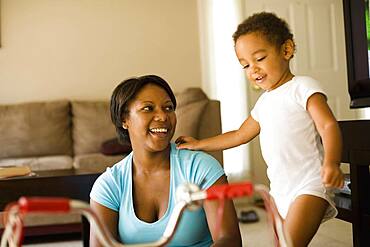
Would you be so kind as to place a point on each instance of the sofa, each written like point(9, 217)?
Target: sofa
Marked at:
point(69, 134)
point(66, 134)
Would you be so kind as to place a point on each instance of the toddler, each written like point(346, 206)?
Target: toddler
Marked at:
point(300, 138)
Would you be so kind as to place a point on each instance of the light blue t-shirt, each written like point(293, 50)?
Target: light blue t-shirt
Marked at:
point(113, 189)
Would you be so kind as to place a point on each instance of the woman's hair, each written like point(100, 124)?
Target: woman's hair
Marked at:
point(125, 92)
point(273, 28)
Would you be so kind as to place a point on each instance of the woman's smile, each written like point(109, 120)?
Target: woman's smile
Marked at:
point(160, 132)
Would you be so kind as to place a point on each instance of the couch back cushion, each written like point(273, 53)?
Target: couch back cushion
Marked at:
point(190, 107)
point(35, 129)
point(91, 126)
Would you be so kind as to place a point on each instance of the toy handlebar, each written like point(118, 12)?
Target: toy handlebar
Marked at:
point(229, 191)
point(28, 205)
point(43, 204)
point(188, 196)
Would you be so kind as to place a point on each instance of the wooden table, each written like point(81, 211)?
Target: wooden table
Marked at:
point(356, 152)
point(73, 184)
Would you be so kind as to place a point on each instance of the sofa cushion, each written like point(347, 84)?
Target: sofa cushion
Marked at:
point(96, 162)
point(190, 95)
point(190, 106)
point(40, 163)
point(91, 126)
point(35, 129)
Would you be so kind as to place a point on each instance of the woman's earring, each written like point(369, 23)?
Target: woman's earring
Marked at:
point(124, 126)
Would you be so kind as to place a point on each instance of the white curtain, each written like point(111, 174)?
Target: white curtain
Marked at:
point(222, 75)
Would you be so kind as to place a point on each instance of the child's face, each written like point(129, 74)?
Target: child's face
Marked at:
point(265, 65)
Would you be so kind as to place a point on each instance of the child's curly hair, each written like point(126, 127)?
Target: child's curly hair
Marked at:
point(275, 29)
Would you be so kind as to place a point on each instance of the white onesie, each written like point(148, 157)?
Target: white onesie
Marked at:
point(290, 143)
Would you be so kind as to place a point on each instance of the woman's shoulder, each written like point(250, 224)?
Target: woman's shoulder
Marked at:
point(196, 166)
point(118, 170)
point(191, 155)
point(111, 182)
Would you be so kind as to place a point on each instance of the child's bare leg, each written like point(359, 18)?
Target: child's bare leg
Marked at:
point(304, 218)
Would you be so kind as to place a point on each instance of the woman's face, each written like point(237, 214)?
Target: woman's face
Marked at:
point(151, 120)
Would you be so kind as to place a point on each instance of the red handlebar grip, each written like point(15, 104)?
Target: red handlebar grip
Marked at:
point(43, 204)
point(229, 191)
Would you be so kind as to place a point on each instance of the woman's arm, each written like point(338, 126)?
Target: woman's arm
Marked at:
point(108, 217)
point(247, 131)
point(328, 128)
point(228, 233)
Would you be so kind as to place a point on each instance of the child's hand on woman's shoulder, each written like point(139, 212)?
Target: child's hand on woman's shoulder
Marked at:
point(186, 142)
point(332, 176)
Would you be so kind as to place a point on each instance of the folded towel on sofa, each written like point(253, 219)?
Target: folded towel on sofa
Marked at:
point(7, 172)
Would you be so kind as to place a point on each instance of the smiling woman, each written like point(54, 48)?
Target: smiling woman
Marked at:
point(136, 197)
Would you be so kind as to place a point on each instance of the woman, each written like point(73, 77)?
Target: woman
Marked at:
point(136, 197)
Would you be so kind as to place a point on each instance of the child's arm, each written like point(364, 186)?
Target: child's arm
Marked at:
point(328, 128)
point(247, 131)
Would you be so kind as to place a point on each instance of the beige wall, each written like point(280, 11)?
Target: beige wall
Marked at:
point(81, 49)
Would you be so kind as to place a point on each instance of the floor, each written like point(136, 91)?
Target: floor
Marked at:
point(331, 233)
